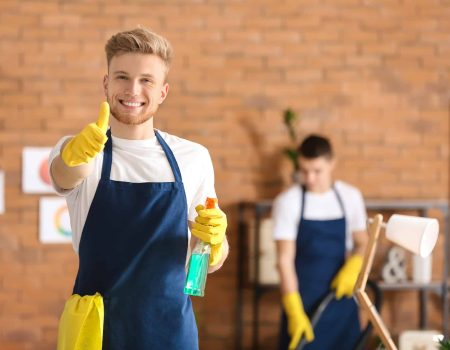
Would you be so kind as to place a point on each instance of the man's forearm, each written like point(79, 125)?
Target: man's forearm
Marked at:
point(360, 239)
point(358, 250)
point(286, 250)
point(288, 277)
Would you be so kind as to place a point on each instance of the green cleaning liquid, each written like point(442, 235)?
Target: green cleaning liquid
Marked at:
point(199, 262)
point(198, 270)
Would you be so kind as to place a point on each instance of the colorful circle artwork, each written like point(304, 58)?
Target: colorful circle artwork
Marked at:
point(62, 222)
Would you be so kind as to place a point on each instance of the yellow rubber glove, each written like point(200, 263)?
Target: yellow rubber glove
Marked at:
point(81, 324)
point(216, 254)
point(345, 280)
point(82, 148)
point(298, 322)
point(210, 226)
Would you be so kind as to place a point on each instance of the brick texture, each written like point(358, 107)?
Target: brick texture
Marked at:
point(372, 75)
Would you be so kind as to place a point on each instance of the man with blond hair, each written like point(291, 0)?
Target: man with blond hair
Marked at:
point(133, 192)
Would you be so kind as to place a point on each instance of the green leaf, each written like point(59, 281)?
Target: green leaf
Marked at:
point(292, 154)
point(444, 344)
point(289, 118)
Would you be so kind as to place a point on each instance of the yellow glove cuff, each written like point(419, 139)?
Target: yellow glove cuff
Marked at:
point(346, 278)
point(292, 303)
point(216, 254)
point(354, 263)
point(299, 325)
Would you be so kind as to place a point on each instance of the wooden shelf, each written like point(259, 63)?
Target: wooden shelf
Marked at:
point(409, 285)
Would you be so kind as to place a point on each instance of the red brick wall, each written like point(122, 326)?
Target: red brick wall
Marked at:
point(373, 75)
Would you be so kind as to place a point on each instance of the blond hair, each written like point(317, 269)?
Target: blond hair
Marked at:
point(139, 40)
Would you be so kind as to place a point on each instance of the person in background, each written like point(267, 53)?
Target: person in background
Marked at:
point(132, 191)
point(320, 234)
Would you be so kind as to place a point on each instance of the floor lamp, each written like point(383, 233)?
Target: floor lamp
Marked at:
point(416, 234)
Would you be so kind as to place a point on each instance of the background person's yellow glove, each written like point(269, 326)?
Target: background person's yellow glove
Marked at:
point(345, 280)
point(298, 322)
point(210, 226)
point(82, 148)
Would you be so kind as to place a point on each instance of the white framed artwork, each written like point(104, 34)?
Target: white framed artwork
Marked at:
point(35, 175)
point(268, 273)
point(419, 340)
point(54, 221)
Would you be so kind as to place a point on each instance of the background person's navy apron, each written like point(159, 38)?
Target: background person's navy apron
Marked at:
point(133, 251)
point(319, 256)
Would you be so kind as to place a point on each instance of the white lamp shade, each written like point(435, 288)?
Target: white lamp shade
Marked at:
point(417, 234)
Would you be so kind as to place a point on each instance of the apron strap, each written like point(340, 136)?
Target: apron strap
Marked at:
point(303, 188)
point(170, 157)
point(341, 203)
point(107, 158)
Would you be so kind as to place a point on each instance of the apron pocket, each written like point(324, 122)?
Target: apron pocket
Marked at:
point(81, 323)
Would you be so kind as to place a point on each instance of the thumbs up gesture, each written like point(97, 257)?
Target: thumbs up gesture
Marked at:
point(85, 146)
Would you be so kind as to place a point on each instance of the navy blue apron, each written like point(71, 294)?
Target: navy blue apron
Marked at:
point(319, 256)
point(133, 252)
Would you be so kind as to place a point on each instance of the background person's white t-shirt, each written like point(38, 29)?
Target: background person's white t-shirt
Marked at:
point(287, 207)
point(142, 161)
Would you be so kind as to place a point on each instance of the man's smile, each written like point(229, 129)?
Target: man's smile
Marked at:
point(131, 103)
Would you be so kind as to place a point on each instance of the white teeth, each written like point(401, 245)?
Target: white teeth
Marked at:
point(131, 104)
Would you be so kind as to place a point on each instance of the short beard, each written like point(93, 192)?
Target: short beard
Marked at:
point(124, 119)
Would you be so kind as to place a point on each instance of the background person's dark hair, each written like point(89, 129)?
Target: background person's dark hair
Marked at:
point(315, 146)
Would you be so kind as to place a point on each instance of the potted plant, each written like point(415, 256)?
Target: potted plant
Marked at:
point(444, 344)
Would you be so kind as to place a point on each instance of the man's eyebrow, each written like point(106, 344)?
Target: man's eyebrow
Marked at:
point(146, 75)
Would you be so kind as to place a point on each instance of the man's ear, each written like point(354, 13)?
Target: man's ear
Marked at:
point(105, 85)
point(164, 92)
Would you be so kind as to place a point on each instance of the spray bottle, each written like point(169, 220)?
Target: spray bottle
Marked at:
point(199, 263)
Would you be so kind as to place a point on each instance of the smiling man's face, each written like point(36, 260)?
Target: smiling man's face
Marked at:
point(135, 87)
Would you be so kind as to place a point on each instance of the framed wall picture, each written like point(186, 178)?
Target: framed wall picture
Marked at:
point(54, 221)
point(35, 175)
point(268, 273)
point(419, 340)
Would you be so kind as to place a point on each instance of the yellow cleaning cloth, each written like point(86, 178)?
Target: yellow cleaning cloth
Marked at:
point(81, 324)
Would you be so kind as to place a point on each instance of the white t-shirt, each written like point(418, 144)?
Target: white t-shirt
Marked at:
point(142, 161)
point(287, 207)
